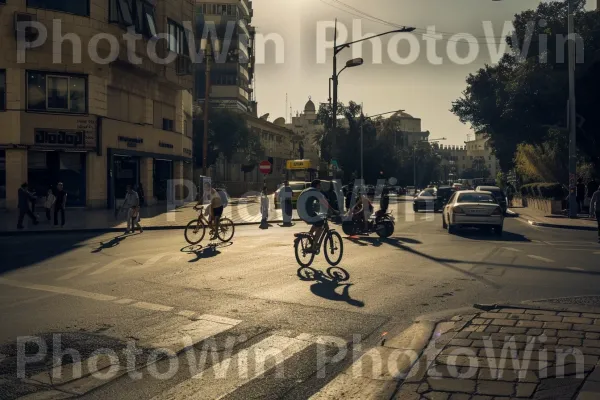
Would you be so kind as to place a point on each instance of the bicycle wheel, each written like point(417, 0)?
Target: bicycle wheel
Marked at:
point(226, 230)
point(301, 245)
point(194, 231)
point(333, 247)
point(338, 274)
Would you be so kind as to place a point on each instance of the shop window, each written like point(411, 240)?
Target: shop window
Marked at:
point(136, 13)
point(168, 125)
point(79, 7)
point(53, 92)
point(2, 90)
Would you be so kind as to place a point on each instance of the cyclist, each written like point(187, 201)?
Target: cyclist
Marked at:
point(312, 203)
point(214, 209)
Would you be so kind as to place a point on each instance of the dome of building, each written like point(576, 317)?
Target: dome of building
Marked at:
point(310, 106)
point(279, 121)
point(402, 114)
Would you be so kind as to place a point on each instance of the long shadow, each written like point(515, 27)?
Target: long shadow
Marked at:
point(112, 243)
point(202, 252)
point(475, 234)
point(377, 241)
point(327, 283)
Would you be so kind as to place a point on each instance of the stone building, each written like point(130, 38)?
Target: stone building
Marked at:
point(98, 103)
point(306, 126)
point(480, 156)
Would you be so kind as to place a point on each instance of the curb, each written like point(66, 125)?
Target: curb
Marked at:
point(109, 230)
point(542, 307)
point(533, 222)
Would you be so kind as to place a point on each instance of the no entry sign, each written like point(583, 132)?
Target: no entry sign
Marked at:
point(264, 167)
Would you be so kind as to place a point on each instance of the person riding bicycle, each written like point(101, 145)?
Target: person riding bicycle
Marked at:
point(312, 208)
point(214, 209)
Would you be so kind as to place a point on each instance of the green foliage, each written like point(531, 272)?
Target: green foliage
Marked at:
point(228, 134)
point(523, 98)
point(553, 191)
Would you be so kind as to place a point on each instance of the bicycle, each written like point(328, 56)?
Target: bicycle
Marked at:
point(198, 227)
point(303, 246)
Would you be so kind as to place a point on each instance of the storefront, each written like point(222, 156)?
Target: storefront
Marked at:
point(162, 172)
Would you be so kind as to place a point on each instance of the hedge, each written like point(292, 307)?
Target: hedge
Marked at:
point(554, 191)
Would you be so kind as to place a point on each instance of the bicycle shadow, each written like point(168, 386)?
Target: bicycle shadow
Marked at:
point(201, 252)
point(326, 284)
point(113, 242)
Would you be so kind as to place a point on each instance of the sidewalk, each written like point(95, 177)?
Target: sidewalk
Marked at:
point(242, 211)
point(536, 217)
point(510, 352)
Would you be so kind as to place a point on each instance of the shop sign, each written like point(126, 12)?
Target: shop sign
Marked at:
point(62, 138)
point(297, 164)
point(165, 145)
point(187, 151)
point(131, 142)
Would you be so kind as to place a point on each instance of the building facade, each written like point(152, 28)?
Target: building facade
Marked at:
point(98, 104)
point(454, 162)
point(405, 128)
point(232, 66)
point(480, 157)
point(307, 128)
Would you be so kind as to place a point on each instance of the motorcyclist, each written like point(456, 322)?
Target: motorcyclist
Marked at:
point(361, 212)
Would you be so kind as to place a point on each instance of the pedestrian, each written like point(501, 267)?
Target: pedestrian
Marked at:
point(49, 203)
point(510, 194)
point(60, 204)
point(25, 198)
point(592, 187)
point(132, 205)
point(580, 194)
point(264, 208)
point(595, 208)
point(285, 199)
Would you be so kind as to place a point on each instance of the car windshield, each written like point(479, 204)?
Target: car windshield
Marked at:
point(428, 193)
point(476, 198)
point(297, 186)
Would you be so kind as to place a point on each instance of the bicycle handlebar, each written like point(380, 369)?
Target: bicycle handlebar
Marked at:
point(198, 207)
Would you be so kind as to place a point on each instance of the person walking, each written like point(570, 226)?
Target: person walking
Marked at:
point(264, 208)
point(60, 204)
point(595, 208)
point(132, 205)
point(580, 194)
point(285, 199)
point(592, 187)
point(49, 204)
point(25, 198)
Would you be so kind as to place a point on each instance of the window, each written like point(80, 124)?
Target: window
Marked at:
point(177, 39)
point(136, 13)
point(56, 92)
point(2, 89)
point(167, 124)
point(79, 7)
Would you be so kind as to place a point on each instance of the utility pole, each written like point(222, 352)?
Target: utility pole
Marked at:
point(362, 124)
point(572, 114)
point(207, 56)
point(334, 82)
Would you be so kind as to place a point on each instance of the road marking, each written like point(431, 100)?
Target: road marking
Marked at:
point(540, 258)
point(576, 268)
point(111, 265)
point(241, 368)
point(218, 319)
point(151, 306)
point(188, 335)
point(187, 313)
point(58, 289)
point(124, 301)
point(512, 249)
point(78, 270)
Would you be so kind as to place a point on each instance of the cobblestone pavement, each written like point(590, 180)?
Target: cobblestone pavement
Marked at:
point(510, 353)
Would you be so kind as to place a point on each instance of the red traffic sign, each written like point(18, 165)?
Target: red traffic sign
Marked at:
point(264, 167)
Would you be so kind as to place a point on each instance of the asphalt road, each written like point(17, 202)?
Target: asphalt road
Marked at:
point(152, 289)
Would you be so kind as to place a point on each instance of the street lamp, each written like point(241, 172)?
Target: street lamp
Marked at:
point(572, 114)
point(362, 123)
point(334, 77)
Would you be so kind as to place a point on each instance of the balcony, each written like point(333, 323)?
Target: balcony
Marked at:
point(244, 72)
point(245, 8)
point(243, 29)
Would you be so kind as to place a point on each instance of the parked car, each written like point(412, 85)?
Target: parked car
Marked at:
point(297, 188)
point(469, 208)
point(497, 193)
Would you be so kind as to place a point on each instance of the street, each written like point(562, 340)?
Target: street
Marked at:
point(101, 291)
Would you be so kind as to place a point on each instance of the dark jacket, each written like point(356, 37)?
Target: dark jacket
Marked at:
point(25, 199)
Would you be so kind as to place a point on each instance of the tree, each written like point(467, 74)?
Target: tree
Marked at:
point(228, 134)
point(523, 98)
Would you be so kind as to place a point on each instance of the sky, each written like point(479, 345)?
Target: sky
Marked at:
point(406, 75)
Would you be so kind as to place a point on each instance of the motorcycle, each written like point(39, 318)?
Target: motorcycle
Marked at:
point(382, 223)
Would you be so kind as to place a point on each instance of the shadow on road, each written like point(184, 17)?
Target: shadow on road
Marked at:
point(113, 242)
point(377, 241)
point(476, 234)
point(202, 252)
point(327, 283)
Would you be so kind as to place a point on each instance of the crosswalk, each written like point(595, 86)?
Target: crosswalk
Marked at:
point(215, 361)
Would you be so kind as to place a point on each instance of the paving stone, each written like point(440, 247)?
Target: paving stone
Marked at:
point(577, 320)
point(480, 321)
point(591, 343)
point(452, 385)
point(526, 389)
point(522, 317)
point(495, 388)
point(557, 389)
point(478, 335)
point(407, 393)
point(462, 335)
point(460, 342)
point(568, 370)
point(557, 325)
point(570, 342)
point(436, 396)
point(593, 351)
point(513, 330)
point(512, 310)
point(423, 387)
point(597, 322)
point(492, 329)
point(488, 315)
point(568, 314)
point(452, 371)
point(592, 335)
point(481, 398)
point(594, 376)
point(548, 318)
point(590, 390)
point(540, 312)
point(571, 334)
point(503, 322)
point(530, 324)
point(588, 315)
point(535, 332)
point(459, 396)
point(550, 332)
point(586, 328)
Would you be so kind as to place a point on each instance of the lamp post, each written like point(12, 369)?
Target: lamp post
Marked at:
point(334, 77)
point(362, 123)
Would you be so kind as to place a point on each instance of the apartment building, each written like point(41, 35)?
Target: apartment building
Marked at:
point(454, 161)
point(96, 96)
point(232, 66)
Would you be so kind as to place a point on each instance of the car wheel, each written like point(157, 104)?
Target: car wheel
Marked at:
point(498, 230)
point(444, 224)
point(451, 230)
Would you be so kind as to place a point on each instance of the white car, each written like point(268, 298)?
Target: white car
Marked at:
point(469, 208)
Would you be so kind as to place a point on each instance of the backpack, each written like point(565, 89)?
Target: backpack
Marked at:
point(224, 198)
